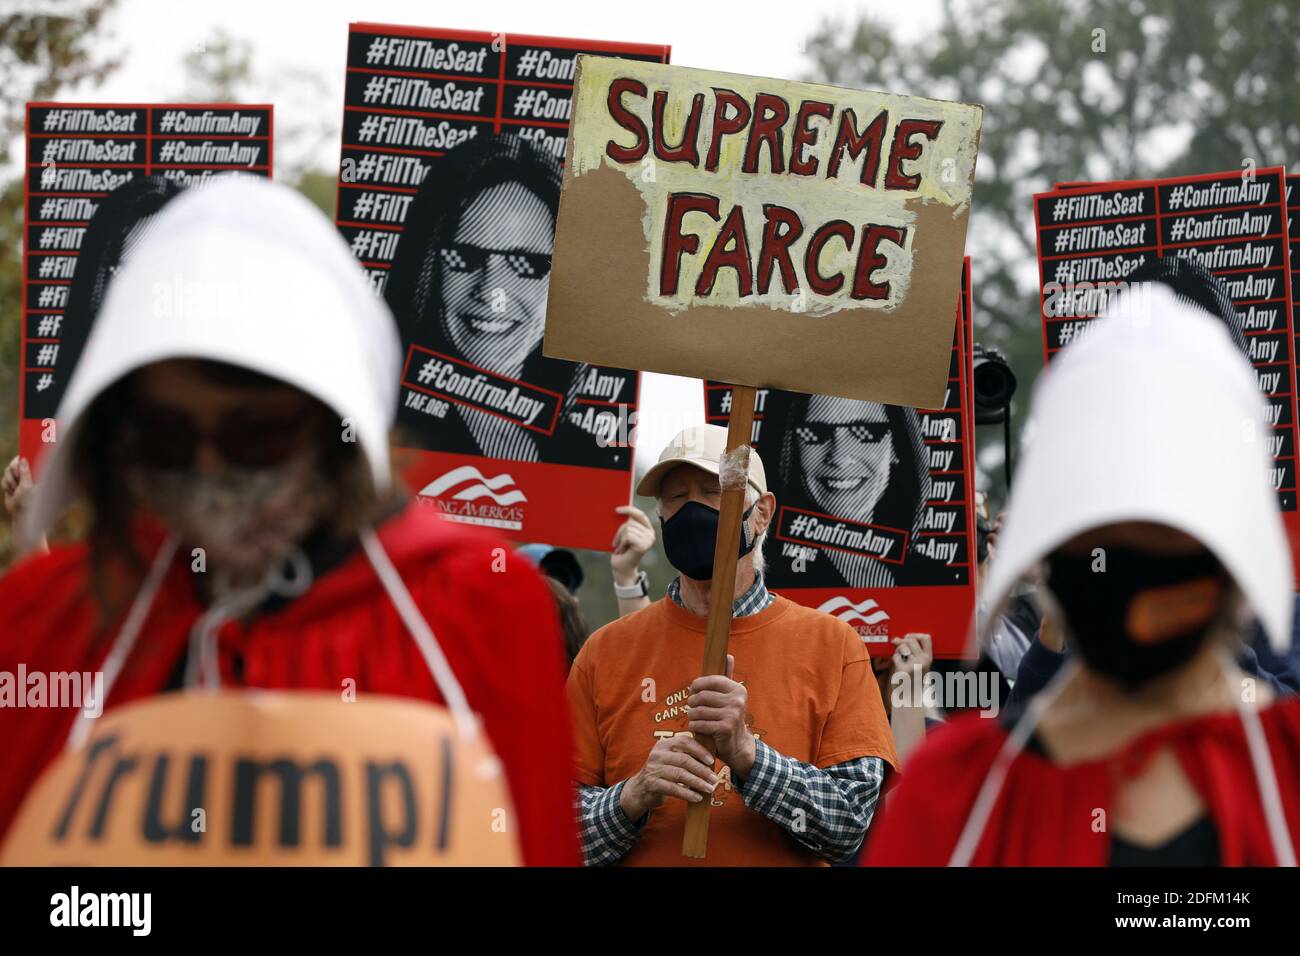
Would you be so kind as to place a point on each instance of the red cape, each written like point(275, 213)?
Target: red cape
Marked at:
point(1044, 814)
point(498, 629)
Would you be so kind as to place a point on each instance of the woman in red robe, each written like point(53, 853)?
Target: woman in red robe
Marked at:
point(228, 427)
point(1145, 507)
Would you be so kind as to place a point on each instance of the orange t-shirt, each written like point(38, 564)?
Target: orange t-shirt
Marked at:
point(812, 696)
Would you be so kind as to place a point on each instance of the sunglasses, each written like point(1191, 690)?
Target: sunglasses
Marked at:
point(816, 433)
point(466, 258)
point(164, 438)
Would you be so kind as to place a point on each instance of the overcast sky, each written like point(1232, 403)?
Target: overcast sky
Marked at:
point(758, 37)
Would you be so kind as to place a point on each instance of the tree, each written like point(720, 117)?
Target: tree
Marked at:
point(1081, 89)
point(220, 69)
point(43, 53)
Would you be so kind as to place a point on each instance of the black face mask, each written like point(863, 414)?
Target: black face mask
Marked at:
point(691, 535)
point(1143, 616)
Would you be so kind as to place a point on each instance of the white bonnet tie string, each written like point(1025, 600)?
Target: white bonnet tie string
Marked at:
point(126, 636)
point(422, 634)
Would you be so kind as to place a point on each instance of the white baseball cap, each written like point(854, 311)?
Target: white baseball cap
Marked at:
point(702, 446)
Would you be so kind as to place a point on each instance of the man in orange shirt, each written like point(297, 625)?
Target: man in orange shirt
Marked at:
point(800, 731)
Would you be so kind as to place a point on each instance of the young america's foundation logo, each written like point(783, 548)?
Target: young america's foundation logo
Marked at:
point(867, 618)
point(465, 494)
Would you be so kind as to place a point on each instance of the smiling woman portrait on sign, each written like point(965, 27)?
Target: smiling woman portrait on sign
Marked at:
point(469, 284)
point(863, 462)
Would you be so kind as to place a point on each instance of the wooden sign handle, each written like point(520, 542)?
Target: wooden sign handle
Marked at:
point(695, 839)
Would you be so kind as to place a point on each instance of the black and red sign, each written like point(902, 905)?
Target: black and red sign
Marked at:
point(96, 176)
point(1093, 236)
point(875, 518)
point(453, 150)
point(1293, 262)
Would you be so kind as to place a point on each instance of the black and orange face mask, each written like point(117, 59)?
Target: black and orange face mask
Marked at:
point(1144, 615)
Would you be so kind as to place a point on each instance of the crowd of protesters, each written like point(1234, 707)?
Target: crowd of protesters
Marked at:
point(1135, 605)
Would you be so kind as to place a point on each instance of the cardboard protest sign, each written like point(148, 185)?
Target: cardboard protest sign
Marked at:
point(875, 503)
point(1092, 236)
point(96, 175)
point(269, 779)
point(449, 182)
point(762, 232)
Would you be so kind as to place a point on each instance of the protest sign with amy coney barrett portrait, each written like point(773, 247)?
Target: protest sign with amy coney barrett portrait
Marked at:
point(1095, 239)
point(97, 175)
point(449, 184)
point(875, 515)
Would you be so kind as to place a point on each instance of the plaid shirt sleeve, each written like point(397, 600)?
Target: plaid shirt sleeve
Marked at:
point(607, 834)
point(828, 811)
